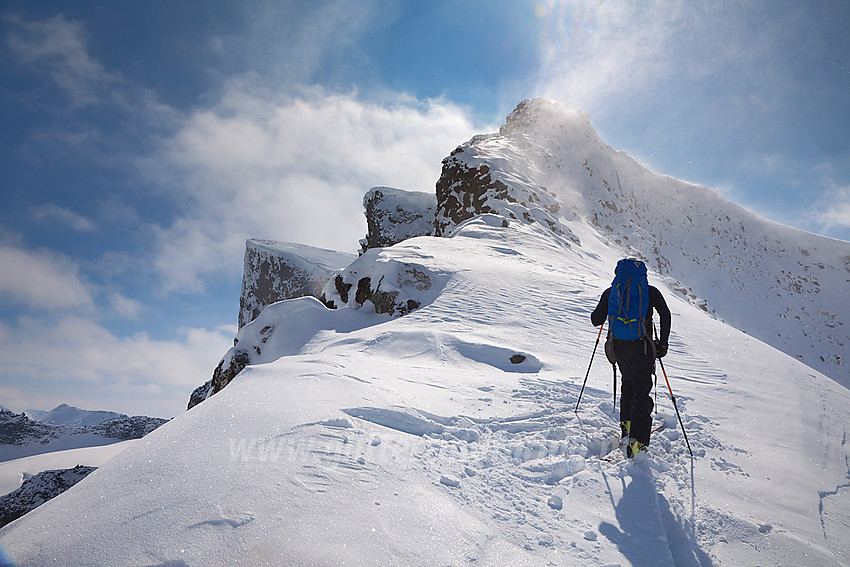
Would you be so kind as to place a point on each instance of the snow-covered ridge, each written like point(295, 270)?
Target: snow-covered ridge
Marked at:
point(448, 436)
point(550, 159)
point(548, 165)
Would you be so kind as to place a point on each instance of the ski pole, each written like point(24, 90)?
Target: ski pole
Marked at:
point(672, 397)
point(655, 373)
point(614, 411)
point(655, 378)
point(588, 366)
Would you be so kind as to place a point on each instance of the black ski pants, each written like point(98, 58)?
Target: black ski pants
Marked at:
point(636, 360)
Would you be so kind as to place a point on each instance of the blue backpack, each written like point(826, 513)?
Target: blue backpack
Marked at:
point(628, 302)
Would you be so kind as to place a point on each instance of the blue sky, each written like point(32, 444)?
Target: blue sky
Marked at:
point(143, 142)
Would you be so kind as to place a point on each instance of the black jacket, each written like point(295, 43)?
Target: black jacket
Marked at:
point(656, 303)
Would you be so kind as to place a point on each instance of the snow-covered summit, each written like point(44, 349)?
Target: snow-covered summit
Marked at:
point(70, 416)
point(550, 122)
point(547, 164)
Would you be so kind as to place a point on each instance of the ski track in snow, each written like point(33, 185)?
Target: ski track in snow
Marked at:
point(521, 471)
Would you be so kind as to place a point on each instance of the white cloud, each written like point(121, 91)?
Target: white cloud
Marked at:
point(704, 62)
point(124, 306)
point(291, 168)
point(833, 210)
point(52, 213)
point(41, 280)
point(593, 52)
point(56, 47)
point(80, 358)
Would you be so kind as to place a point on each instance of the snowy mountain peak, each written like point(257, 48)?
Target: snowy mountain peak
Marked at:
point(547, 165)
point(545, 119)
point(69, 416)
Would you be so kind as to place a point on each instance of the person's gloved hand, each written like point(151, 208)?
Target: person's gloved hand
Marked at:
point(660, 349)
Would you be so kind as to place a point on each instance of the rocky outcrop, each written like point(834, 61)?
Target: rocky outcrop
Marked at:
point(126, 427)
point(275, 271)
point(467, 188)
point(18, 429)
point(226, 371)
point(390, 286)
point(38, 489)
point(394, 215)
point(201, 393)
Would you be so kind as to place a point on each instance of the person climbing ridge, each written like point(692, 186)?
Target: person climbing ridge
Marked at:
point(628, 306)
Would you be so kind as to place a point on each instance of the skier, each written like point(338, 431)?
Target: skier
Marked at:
point(629, 309)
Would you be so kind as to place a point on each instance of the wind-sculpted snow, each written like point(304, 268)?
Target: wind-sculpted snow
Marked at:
point(280, 330)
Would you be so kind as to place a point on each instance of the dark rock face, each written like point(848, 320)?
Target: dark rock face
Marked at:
point(18, 429)
point(127, 427)
point(200, 394)
point(227, 370)
point(462, 193)
point(38, 489)
point(275, 271)
point(394, 215)
point(466, 189)
point(394, 288)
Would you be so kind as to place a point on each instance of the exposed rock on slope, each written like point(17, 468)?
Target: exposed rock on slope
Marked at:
point(394, 215)
point(389, 286)
point(18, 429)
point(38, 489)
point(127, 427)
point(469, 187)
point(275, 271)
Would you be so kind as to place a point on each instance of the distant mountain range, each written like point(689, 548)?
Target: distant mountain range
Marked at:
point(67, 427)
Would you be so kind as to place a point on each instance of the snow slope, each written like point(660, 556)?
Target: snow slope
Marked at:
point(448, 436)
point(415, 440)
